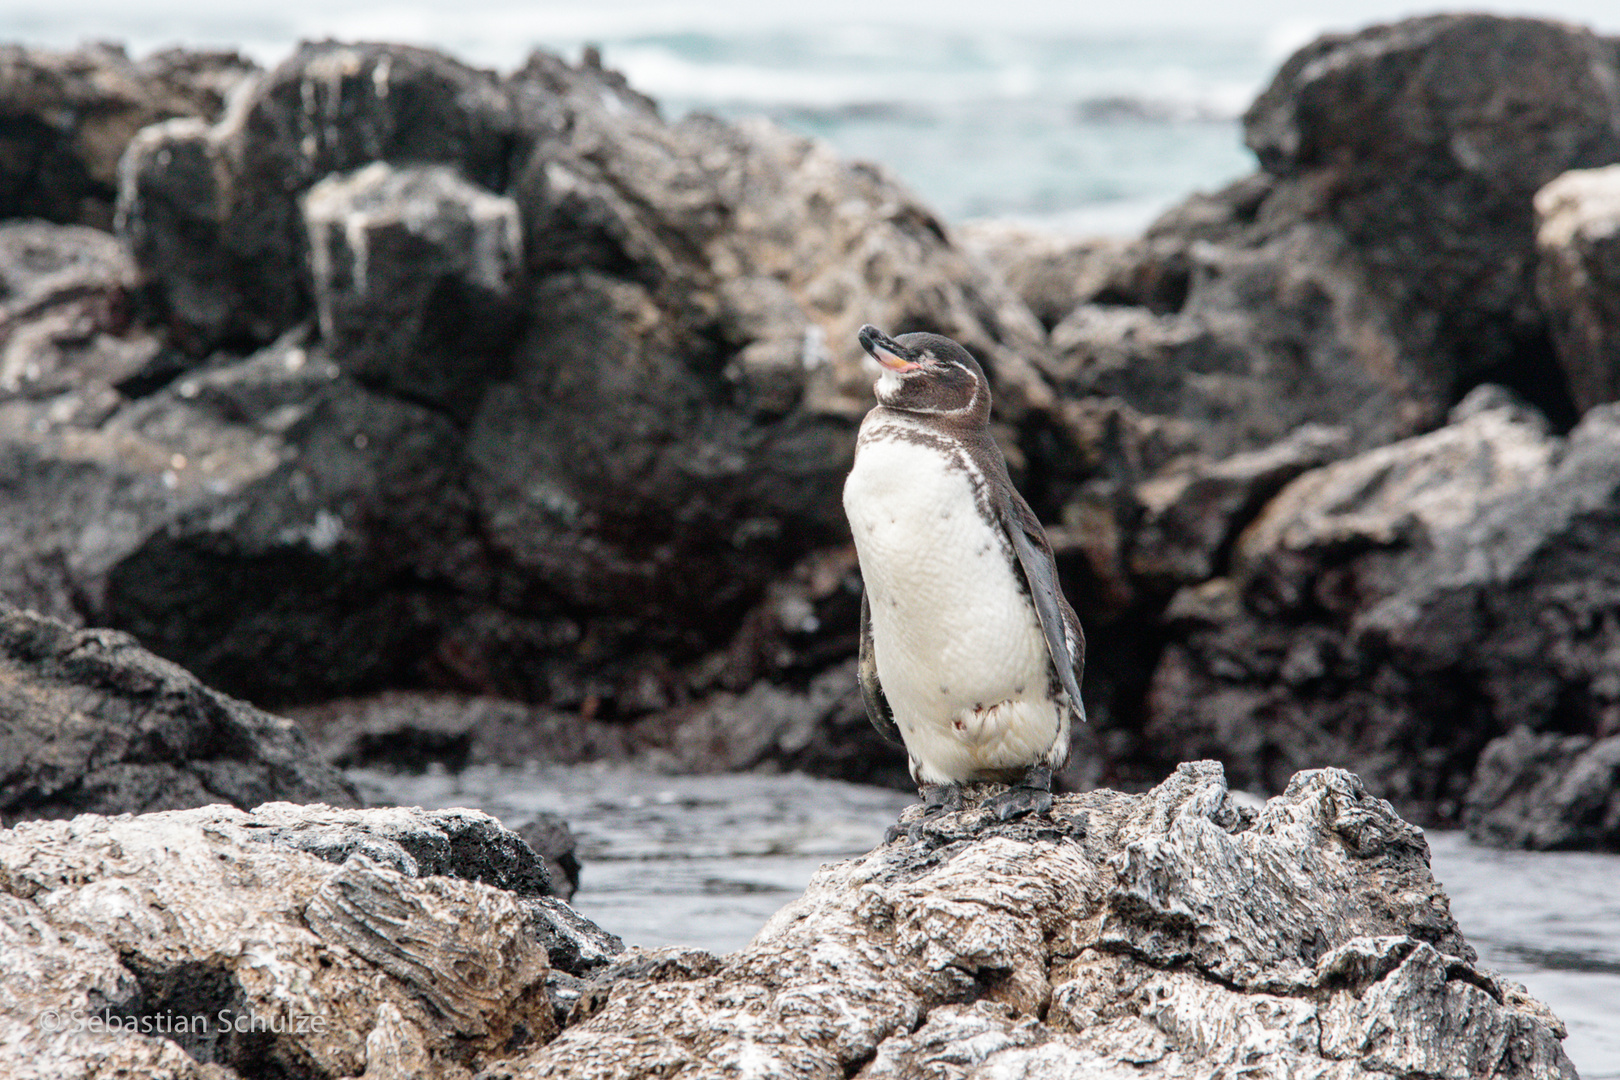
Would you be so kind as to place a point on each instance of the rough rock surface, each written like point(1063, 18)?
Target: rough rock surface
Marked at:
point(65, 317)
point(345, 509)
point(1398, 610)
point(379, 941)
point(1052, 274)
point(92, 723)
point(1406, 130)
point(65, 119)
point(211, 211)
point(1546, 792)
point(416, 275)
point(1172, 934)
point(1169, 934)
point(1578, 240)
point(549, 836)
point(263, 466)
point(1380, 265)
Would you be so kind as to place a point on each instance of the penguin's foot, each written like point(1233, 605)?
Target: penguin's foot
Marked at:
point(937, 799)
point(1031, 795)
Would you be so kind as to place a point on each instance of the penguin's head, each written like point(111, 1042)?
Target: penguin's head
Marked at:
point(928, 374)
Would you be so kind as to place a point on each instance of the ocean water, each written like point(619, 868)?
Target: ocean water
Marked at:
point(1079, 118)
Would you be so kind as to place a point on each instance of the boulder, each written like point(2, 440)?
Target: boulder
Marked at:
point(293, 940)
point(1400, 609)
point(417, 275)
point(774, 241)
point(65, 119)
point(1424, 143)
point(1168, 934)
point(211, 211)
point(1546, 792)
point(1336, 287)
point(1052, 274)
point(92, 723)
point(66, 328)
point(1219, 339)
point(553, 390)
point(549, 836)
point(1578, 241)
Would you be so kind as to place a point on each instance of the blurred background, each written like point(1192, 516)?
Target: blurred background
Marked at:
point(1084, 118)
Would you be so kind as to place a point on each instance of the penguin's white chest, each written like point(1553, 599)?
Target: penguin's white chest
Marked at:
point(959, 650)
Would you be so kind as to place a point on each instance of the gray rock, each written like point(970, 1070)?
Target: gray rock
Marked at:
point(436, 480)
point(1408, 129)
point(1169, 934)
point(177, 931)
point(417, 278)
point(211, 211)
point(92, 723)
point(65, 321)
point(1577, 222)
point(1401, 609)
point(1052, 274)
point(65, 119)
point(1546, 792)
point(288, 533)
point(555, 843)
point(1334, 288)
point(464, 844)
point(1191, 512)
point(1275, 332)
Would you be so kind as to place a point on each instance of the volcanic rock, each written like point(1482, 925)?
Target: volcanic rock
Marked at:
point(92, 723)
point(65, 119)
point(1167, 934)
point(292, 940)
point(211, 211)
point(416, 278)
point(1425, 141)
point(1401, 609)
point(1546, 792)
point(581, 473)
point(1578, 239)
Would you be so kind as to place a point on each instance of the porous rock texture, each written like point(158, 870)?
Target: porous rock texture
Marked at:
point(1404, 607)
point(1578, 240)
point(92, 723)
point(65, 118)
point(308, 941)
point(1546, 792)
point(1171, 934)
point(650, 409)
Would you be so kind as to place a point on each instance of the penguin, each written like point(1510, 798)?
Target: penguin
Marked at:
point(969, 653)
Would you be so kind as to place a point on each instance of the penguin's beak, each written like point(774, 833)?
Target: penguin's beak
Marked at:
point(885, 350)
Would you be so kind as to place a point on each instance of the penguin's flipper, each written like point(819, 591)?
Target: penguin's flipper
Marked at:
point(877, 705)
point(1064, 639)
